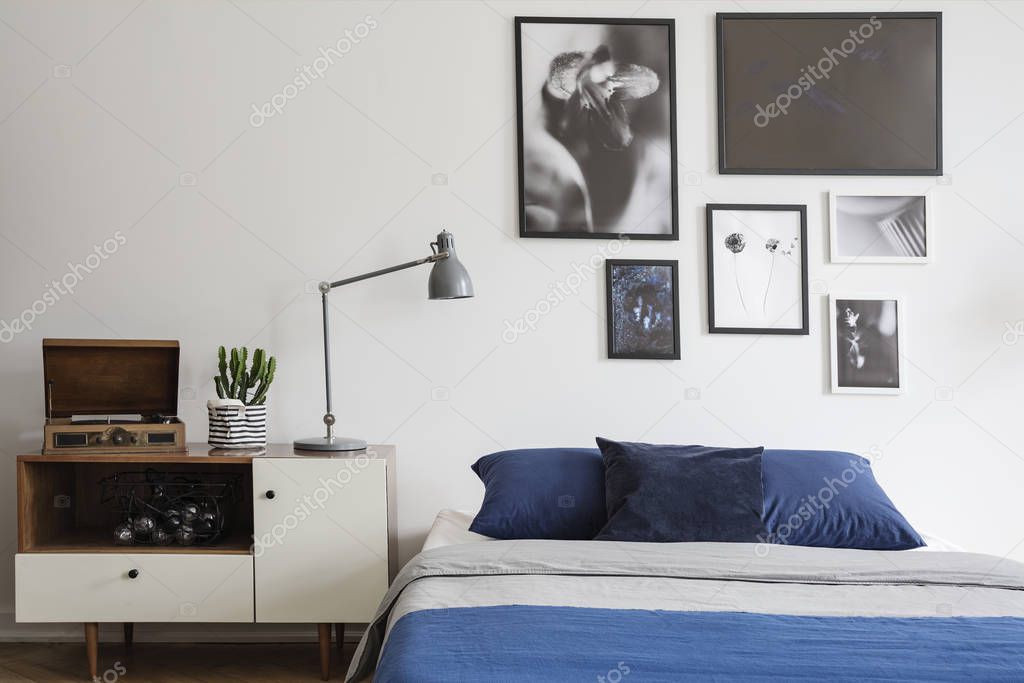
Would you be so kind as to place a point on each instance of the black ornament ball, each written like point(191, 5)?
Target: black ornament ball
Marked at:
point(189, 512)
point(206, 523)
point(161, 537)
point(143, 525)
point(185, 535)
point(123, 534)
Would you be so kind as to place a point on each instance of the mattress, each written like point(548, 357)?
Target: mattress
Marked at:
point(543, 610)
point(451, 527)
point(472, 608)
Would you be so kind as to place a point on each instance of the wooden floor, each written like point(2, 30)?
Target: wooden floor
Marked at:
point(169, 663)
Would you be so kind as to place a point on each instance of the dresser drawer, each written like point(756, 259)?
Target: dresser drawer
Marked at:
point(141, 587)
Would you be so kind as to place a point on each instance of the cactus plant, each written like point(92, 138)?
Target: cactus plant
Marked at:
point(247, 384)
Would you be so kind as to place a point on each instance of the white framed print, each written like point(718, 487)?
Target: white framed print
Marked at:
point(880, 228)
point(866, 343)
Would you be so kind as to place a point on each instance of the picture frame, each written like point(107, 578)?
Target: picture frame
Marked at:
point(637, 304)
point(867, 341)
point(887, 116)
point(890, 231)
point(774, 271)
point(577, 175)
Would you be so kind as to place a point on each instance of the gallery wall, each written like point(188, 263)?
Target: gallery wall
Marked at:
point(127, 131)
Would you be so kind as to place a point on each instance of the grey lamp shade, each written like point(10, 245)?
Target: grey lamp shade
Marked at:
point(448, 278)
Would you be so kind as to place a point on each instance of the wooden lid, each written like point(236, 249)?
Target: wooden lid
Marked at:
point(110, 377)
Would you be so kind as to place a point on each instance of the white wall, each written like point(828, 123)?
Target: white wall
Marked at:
point(159, 96)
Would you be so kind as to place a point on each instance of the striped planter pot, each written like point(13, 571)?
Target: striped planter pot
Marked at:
point(234, 425)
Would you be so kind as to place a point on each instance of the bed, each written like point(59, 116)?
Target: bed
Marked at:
point(469, 608)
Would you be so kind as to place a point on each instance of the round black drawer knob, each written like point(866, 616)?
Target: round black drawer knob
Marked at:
point(133, 574)
point(271, 494)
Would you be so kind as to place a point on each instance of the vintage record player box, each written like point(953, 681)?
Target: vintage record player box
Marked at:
point(108, 396)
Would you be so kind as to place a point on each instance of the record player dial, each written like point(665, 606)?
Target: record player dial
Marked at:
point(119, 436)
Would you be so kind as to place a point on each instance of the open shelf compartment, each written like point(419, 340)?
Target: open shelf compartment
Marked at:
point(62, 510)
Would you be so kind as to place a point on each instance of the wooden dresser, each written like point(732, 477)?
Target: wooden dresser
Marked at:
point(312, 540)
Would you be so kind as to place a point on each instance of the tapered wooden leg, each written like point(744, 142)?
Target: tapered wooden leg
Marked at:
point(129, 634)
point(325, 650)
point(339, 635)
point(92, 644)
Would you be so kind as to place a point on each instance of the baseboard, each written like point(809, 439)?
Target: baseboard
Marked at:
point(12, 632)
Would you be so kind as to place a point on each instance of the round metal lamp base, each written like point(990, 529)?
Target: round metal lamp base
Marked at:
point(337, 443)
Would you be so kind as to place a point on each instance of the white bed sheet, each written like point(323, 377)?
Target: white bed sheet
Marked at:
point(451, 527)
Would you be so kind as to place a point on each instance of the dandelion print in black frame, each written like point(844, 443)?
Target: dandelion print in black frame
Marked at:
point(596, 128)
point(757, 268)
point(643, 309)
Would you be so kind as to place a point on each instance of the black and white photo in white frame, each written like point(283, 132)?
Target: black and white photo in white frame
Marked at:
point(757, 268)
point(866, 341)
point(596, 127)
point(881, 228)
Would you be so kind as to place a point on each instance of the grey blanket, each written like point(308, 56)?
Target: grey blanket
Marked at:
point(696, 576)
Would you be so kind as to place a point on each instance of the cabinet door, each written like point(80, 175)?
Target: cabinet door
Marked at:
point(321, 538)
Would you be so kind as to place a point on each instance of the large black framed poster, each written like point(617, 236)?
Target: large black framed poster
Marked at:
point(596, 127)
point(830, 93)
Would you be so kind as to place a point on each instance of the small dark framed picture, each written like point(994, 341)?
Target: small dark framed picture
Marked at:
point(866, 343)
point(643, 309)
point(881, 228)
point(757, 268)
point(596, 118)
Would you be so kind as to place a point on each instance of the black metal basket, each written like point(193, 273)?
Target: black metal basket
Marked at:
point(165, 508)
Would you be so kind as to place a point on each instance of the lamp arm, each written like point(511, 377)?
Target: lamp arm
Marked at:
point(325, 288)
point(439, 256)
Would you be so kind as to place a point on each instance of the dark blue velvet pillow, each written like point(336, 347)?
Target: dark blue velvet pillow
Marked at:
point(555, 493)
point(830, 499)
point(681, 493)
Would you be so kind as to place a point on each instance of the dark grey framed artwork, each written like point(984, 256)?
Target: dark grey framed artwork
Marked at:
point(830, 93)
point(596, 127)
point(643, 309)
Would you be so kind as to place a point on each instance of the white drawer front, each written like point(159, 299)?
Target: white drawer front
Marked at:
point(322, 541)
point(168, 588)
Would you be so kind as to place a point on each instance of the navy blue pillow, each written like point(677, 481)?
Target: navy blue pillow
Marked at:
point(555, 493)
point(830, 499)
point(681, 493)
